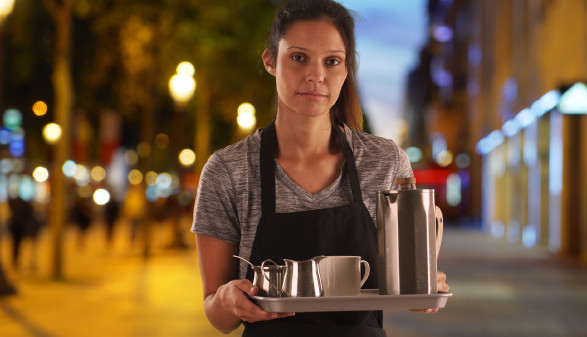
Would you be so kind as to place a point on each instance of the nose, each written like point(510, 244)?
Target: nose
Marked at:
point(315, 73)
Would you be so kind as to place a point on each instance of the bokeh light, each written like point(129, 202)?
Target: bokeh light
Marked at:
point(135, 177)
point(151, 178)
point(98, 173)
point(6, 166)
point(52, 133)
point(164, 180)
point(444, 158)
point(246, 116)
point(162, 140)
point(18, 164)
point(131, 157)
point(26, 189)
point(187, 157)
point(69, 168)
point(143, 149)
point(82, 175)
point(4, 136)
point(40, 108)
point(186, 68)
point(101, 196)
point(12, 119)
point(84, 191)
point(414, 153)
point(462, 160)
point(16, 145)
point(6, 8)
point(41, 174)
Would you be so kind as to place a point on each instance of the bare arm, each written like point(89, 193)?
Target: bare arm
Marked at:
point(226, 303)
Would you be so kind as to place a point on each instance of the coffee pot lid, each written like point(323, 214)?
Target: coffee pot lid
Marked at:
point(406, 183)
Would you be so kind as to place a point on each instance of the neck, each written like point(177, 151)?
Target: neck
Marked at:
point(305, 138)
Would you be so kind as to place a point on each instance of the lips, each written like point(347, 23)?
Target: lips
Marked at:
point(313, 95)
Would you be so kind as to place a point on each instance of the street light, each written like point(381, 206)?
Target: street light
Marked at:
point(5, 8)
point(246, 116)
point(182, 85)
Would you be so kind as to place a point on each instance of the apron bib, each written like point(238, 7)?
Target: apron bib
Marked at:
point(342, 230)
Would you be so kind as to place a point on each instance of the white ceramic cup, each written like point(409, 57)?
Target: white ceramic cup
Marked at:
point(341, 275)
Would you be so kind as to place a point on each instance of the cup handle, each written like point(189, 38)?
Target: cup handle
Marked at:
point(439, 229)
point(278, 289)
point(367, 271)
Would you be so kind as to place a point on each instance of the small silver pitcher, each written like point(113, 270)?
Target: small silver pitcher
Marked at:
point(409, 232)
point(301, 278)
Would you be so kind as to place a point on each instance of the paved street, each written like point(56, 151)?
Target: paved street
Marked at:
point(500, 289)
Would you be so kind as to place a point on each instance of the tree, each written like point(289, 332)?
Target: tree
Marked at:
point(62, 85)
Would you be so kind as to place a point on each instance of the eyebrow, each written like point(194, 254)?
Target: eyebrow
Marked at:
point(329, 51)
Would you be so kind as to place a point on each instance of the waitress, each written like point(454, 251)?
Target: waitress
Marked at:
point(303, 186)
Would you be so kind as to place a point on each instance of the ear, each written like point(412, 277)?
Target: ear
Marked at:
point(268, 61)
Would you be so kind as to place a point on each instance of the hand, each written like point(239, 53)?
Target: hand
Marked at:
point(442, 287)
point(233, 298)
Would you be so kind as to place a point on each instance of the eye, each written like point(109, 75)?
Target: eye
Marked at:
point(298, 57)
point(332, 62)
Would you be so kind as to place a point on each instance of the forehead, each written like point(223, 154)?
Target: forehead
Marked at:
point(314, 35)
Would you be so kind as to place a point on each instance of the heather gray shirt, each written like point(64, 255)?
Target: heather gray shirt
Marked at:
point(228, 202)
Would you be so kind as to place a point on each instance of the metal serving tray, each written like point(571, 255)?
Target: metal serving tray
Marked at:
point(369, 299)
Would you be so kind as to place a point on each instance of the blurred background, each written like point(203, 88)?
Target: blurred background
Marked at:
point(110, 109)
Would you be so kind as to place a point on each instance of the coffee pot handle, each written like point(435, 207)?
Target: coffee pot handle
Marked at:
point(278, 289)
point(439, 229)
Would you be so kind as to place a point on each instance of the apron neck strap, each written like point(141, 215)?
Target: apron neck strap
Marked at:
point(267, 167)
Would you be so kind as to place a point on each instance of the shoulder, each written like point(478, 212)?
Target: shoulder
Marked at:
point(379, 160)
point(235, 157)
point(375, 146)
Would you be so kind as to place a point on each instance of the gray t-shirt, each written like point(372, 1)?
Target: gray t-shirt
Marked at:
point(228, 202)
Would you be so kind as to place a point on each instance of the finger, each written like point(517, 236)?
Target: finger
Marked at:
point(247, 287)
point(441, 276)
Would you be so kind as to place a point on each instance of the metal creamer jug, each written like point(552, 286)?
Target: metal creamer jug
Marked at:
point(409, 233)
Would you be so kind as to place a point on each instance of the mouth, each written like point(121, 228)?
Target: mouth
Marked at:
point(313, 95)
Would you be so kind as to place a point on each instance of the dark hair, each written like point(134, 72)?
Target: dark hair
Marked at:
point(347, 109)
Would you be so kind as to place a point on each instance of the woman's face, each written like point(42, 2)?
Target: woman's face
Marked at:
point(309, 69)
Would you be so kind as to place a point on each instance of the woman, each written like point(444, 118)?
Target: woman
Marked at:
point(303, 186)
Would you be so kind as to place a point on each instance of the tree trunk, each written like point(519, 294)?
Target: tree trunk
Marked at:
point(63, 91)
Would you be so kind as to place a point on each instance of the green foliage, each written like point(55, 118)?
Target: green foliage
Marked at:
point(125, 51)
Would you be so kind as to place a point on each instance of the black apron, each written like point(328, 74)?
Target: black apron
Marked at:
point(343, 230)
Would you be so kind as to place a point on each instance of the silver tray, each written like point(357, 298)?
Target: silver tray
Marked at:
point(369, 299)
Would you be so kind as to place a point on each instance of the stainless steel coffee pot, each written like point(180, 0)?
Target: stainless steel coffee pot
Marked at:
point(409, 232)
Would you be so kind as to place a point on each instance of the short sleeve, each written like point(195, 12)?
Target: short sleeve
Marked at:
point(215, 211)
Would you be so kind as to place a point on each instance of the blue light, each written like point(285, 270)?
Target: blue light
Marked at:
point(524, 118)
point(487, 144)
point(510, 128)
point(4, 136)
point(414, 153)
point(443, 33)
point(529, 236)
point(545, 103)
point(16, 148)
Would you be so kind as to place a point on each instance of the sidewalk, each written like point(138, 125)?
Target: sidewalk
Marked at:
point(500, 289)
point(107, 292)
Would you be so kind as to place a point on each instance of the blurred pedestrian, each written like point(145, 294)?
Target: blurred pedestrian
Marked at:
point(22, 224)
point(82, 216)
point(112, 212)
